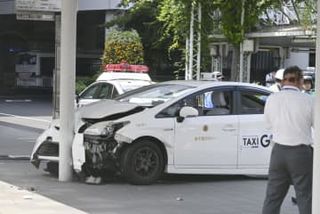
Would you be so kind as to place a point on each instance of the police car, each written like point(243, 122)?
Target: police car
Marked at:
point(116, 79)
point(191, 127)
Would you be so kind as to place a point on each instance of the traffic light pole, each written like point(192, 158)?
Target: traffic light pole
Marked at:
point(67, 87)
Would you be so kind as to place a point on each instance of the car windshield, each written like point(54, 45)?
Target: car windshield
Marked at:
point(154, 94)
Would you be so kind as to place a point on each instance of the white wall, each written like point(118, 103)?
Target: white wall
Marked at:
point(300, 59)
point(98, 4)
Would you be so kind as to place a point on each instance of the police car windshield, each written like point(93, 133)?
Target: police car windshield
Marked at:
point(154, 94)
point(130, 85)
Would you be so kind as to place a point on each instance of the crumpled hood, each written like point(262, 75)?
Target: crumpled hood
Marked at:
point(104, 108)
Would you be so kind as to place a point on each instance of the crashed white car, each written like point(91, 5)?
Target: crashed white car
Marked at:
point(192, 127)
point(107, 86)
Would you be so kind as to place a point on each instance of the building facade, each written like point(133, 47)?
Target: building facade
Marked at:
point(27, 47)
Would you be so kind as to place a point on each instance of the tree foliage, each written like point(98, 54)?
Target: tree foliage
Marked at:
point(123, 46)
point(292, 12)
point(142, 16)
point(172, 19)
point(175, 17)
point(230, 16)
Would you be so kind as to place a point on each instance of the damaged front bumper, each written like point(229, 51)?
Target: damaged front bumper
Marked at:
point(48, 151)
point(46, 147)
point(100, 153)
point(101, 148)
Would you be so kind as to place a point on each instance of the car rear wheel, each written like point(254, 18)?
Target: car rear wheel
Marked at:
point(142, 163)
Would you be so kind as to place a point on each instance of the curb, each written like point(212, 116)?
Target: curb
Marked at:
point(23, 126)
point(15, 157)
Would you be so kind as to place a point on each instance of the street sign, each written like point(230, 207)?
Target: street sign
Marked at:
point(35, 15)
point(38, 5)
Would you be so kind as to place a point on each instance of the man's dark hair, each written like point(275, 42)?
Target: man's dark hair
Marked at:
point(294, 71)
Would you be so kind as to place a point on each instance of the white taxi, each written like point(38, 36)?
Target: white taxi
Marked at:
point(192, 127)
point(109, 84)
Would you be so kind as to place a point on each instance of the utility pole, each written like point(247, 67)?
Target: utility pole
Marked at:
point(241, 44)
point(186, 73)
point(316, 147)
point(193, 44)
point(190, 48)
point(199, 43)
point(67, 87)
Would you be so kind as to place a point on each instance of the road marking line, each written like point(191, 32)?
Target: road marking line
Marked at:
point(19, 156)
point(27, 141)
point(18, 101)
point(27, 118)
point(25, 138)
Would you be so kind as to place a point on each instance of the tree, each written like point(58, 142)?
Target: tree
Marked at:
point(123, 46)
point(234, 28)
point(175, 17)
point(222, 17)
point(218, 15)
point(142, 16)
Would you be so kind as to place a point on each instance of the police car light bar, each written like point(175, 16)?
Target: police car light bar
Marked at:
point(124, 67)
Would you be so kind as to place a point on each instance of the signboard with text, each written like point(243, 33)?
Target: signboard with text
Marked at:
point(38, 5)
point(35, 15)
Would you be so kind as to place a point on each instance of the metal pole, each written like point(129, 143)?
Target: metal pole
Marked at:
point(316, 151)
point(67, 88)
point(199, 42)
point(191, 43)
point(222, 52)
point(56, 71)
point(187, 60)
point(249, 67)
point(241, 45)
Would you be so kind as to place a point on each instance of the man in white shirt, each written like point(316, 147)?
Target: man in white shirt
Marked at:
point(289, 113)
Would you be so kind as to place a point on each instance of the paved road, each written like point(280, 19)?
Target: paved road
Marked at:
point(21, 122)
point(16, 139)
point(36, 107)
point(173, 194)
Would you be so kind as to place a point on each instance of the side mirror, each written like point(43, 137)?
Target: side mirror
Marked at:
point(187, 111)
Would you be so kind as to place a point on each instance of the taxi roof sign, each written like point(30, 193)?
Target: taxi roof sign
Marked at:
point(125, 67)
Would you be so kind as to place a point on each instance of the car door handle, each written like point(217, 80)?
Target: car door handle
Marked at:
point(229, 129)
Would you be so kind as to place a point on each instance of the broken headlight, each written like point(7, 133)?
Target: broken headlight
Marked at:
point(104, 129)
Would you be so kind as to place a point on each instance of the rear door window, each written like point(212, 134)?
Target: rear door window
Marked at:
point(252, 102)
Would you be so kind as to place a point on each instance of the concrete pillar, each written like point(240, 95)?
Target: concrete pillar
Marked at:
point(67, 87)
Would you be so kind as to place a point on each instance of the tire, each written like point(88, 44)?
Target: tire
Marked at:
point(142, 163)
point(52, 168)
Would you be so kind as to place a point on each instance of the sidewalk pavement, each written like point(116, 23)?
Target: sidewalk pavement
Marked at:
point(16, 200)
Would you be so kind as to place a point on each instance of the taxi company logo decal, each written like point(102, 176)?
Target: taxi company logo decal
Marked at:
point(255, 141)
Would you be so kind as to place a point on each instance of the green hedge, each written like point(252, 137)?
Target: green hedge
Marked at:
point(123, 46)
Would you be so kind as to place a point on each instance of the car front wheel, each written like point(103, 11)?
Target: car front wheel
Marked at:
point(142, 162)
